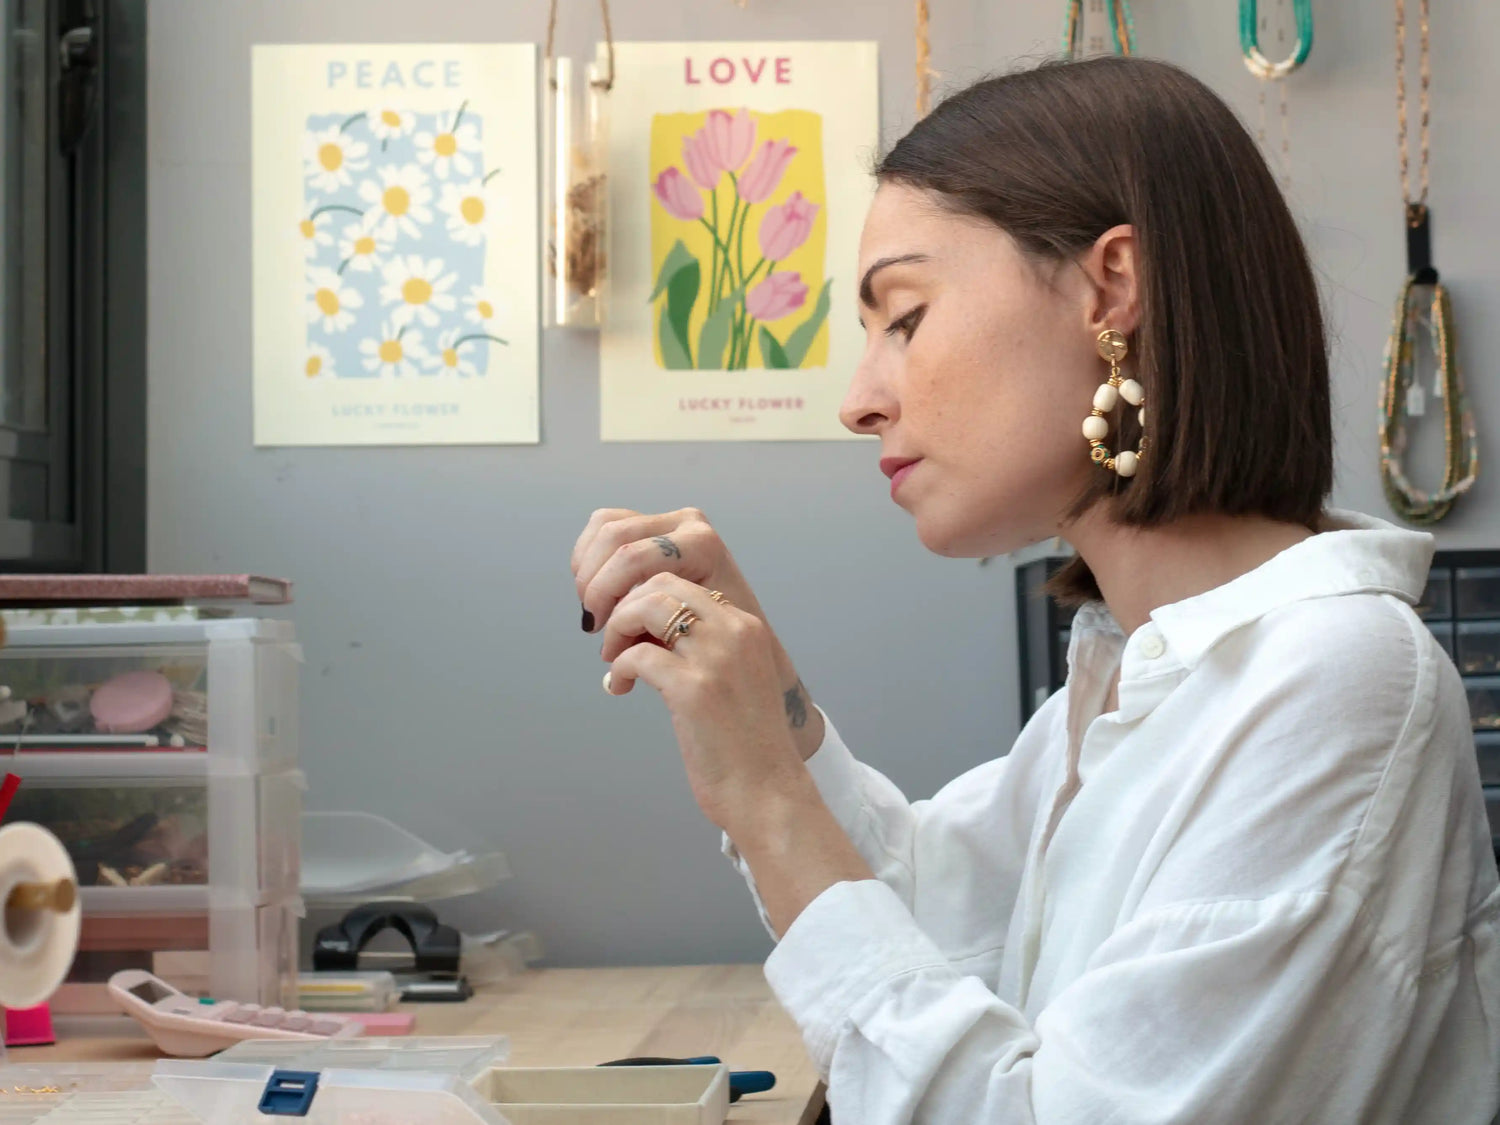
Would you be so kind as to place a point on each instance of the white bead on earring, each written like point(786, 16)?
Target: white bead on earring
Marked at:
point(1113, 347)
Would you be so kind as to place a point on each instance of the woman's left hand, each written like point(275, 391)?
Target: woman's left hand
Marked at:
point(720, 683)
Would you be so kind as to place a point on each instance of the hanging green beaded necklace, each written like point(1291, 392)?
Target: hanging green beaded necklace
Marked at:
point(1401, 391)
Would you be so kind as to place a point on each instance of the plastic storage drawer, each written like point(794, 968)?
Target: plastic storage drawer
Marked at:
point(1484, 701)
point(1478, 649)
point(233, 688)
point(229, 951)
point(1477, 591)
point(162, 822)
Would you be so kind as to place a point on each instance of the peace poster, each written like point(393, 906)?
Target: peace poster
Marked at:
point(395, 244)
point(740, 176)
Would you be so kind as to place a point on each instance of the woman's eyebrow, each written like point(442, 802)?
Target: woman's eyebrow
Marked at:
point(866, 293)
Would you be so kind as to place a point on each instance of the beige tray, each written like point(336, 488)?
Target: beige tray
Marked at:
point(608, 1095)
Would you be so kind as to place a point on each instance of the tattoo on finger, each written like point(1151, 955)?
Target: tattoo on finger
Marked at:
point(796, 706)
point(668, 548)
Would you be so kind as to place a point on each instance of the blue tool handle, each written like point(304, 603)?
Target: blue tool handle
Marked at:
point(742, 1082)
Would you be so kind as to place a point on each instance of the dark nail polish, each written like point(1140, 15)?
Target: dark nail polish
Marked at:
point(588, 622)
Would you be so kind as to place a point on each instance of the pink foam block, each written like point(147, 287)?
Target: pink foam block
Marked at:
point(384, 1023)
point(132, 703)
point(29, 1027)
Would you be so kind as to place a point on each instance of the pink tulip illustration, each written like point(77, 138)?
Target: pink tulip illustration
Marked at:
point(786, 227)
point(765, 171)
point(702, 162)
point(718, 303)
point(681, 199)
point(776, 296)
point(730, 138)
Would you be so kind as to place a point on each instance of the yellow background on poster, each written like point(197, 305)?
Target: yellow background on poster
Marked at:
point(799, 128)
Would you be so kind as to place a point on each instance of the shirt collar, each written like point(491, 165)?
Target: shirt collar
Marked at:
point(1352, 553)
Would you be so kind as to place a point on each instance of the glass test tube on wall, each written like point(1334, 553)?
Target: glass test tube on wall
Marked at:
point(576, 255)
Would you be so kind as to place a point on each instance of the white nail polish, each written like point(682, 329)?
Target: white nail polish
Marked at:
point(607, 690)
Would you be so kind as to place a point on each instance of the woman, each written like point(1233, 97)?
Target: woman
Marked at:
point(1239, 868)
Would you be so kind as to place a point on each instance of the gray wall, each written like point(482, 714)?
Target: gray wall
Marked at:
point(447, 685)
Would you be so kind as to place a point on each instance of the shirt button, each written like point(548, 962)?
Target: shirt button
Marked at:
point(1152, 646)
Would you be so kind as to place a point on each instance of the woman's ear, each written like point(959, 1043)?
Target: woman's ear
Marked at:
point(1111, 267)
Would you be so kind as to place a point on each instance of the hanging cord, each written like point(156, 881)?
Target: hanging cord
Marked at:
point(608, 81)
point(1425, 77)
point(1401, 389)
point(925, 73)
point(1121, 26)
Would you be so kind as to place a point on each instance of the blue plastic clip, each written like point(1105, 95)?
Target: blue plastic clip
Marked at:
point(289, 1093)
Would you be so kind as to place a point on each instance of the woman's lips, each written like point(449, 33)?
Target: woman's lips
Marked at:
point(898, 469)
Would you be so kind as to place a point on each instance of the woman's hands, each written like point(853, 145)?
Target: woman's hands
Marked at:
point(721, 685)
point(620, 549)
point(742, 718)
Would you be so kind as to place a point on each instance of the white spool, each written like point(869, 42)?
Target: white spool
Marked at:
point(36, 946)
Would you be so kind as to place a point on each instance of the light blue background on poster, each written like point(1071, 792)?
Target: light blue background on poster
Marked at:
point(433, 241)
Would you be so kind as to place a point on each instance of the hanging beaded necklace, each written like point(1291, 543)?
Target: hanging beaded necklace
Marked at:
point(1401, 392)
point(1275, 73)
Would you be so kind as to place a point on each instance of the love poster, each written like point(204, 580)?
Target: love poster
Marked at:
point(395, 246)
point(739, 179)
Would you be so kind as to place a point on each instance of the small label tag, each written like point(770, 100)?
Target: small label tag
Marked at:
point(1437, 385)
point(1416, 401)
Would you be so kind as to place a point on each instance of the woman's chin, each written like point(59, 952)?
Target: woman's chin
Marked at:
point(958, 539)
point(956, 534)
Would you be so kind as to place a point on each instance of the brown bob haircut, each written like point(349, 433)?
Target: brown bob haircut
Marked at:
point(1230, 348)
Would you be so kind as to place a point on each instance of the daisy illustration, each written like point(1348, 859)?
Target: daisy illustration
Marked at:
point(329, 156)
point(452, 148)
point(419, 289)
point(397, 353)
point(387, 122)
point(329, 300)
point(398, 202)
point(361, 249)
point(467, 210)
point(481, 306)
point(319, 363)
point(313, 237)
point(453, 354)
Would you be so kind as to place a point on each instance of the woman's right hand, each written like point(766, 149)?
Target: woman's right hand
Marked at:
point(619, 549)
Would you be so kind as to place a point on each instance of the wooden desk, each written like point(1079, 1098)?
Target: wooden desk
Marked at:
point(580, 1017)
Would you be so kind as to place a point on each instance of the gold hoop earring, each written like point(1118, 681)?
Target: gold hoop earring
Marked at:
point(1113, 347)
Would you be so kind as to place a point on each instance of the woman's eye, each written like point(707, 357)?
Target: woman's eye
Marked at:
point(907, 323)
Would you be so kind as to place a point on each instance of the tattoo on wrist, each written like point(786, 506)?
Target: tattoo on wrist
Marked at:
point(668, 548)
point(796, 706)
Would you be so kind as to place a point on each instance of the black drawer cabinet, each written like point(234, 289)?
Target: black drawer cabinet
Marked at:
point(1461, 606)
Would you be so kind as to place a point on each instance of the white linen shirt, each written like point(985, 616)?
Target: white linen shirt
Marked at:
point(1261, 890)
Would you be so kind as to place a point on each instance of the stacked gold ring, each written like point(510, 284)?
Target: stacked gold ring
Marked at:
point(678, 625)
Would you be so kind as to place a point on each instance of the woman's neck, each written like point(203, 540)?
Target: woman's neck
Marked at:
point(1141, 568)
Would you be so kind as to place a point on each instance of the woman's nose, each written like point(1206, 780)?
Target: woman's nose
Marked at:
point(869, 406)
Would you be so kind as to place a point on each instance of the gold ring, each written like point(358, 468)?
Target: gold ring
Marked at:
point(681, 612)
point(719, 597)
point(679, 629)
